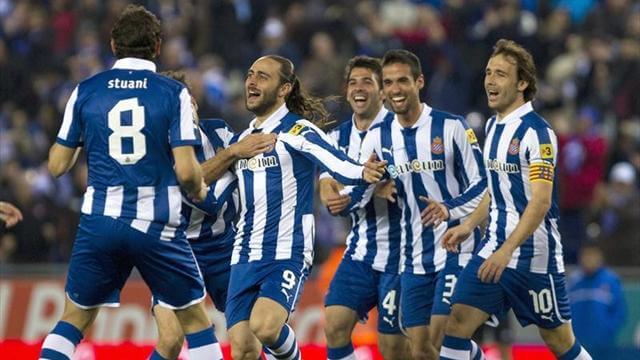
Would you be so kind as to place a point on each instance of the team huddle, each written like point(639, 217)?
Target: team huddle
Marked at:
point(445, 235)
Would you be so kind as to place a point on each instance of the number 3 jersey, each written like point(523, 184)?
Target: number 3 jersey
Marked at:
point(128, 119)
point(521, 149)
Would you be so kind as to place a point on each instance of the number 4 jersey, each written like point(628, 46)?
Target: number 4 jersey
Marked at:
point(128, 119)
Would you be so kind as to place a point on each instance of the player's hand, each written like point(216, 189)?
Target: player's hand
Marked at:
point(454, 237)
point(201, 194)
point(386, 190)
point(435, 212)
point(253, 144)
point(10, 214)
point(331, 197)
point(492, 268)
point(373, 169)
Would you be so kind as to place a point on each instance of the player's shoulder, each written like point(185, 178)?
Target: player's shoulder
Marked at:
point(445, 116)
point(535, 121)
point(304, 126)
point(214, 124)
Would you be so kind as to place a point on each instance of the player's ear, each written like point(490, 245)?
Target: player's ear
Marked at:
point(420, 81)
point(158, 46)
point(113, 46)
point(285, 89)
point(522, 85)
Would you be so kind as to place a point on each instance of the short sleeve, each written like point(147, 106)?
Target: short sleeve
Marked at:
point(183, 128)
point(70, 133)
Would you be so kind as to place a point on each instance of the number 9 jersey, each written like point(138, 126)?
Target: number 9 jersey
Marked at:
point(128, 119)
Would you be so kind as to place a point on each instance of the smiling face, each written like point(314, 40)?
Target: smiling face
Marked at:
point(263, 91)
point(504, 90)
point(401, 89)
point(364, 93)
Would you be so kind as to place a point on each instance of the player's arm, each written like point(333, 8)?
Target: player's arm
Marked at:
point(468, 165)
point(250, 146)
point(217, 194)
point(541, 174)
point(64, 152)
point(454, 236)
point(312, 144)
point(189, 173)
point(61, 159)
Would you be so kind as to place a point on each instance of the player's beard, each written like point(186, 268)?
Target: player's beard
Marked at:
point(269, 99)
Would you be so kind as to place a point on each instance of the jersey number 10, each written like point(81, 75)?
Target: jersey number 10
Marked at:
point(132, 132)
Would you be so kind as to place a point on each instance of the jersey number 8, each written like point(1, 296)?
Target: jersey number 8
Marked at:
point(133, 132)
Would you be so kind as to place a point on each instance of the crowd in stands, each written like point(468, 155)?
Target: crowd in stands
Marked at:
point(587, 54)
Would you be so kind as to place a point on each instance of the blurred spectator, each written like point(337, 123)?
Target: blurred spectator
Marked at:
point(616, 209)
point(581, 166)
point(598, 307)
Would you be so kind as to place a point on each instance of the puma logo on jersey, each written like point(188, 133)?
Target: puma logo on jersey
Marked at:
point(286, 294)
point(389, 150)
point(547, 317)
point(389, 321)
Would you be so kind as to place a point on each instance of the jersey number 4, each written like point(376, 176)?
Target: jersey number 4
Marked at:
point(122, 132)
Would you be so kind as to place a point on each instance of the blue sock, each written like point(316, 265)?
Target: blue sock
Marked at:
point(455, 348)
point(203, 345)
point(476, 351)
point(156, 356)
point(344, 352)
point(577, 352)
point(286, 347)
point(61, 342)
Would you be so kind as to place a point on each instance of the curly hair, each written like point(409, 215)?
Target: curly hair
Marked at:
point(524, 61)
point(136, 33)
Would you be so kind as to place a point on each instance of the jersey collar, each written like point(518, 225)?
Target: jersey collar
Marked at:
point(516, 114)
point(272, 121)
point(425, 116)
point(131, 63)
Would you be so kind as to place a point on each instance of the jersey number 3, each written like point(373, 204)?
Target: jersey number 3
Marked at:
point(122, 132)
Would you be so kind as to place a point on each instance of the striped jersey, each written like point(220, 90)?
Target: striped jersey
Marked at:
point(128, 119)
point(438, 157)
point(519, 149)
point(212, 219)
point(276, 189)
point(374, 237)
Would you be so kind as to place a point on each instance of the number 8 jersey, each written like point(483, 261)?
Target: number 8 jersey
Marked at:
point(128, 119)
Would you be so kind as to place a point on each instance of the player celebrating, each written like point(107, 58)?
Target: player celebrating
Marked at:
point(435, 162)
point(211, 229)
point(368, 272)
point(520, 262)
point(130, 121)
point(273, 248)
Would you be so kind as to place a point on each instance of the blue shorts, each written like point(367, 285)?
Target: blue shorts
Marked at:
point(280, 280)
point(445, 285)
point(214, 258)
point(416, 299)
point(539, 299)
point(359, 287)
point(106, 250)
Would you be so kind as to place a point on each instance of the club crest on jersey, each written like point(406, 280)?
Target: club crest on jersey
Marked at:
point(514, 147)
point(257, 163)
point(437, 147)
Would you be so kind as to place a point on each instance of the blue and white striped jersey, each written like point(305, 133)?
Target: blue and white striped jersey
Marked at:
point(375, 227)
point(438, 157)
point(128, 119)
point(276, 189)
point(212, 219)
point(519, 149)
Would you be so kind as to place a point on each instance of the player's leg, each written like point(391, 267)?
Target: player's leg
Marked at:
point(416, 303)
point(170, 335)
point(391, 341)
point(242, 294)
point(445, 285)
point(563, 343)
point(472, 301)
point(170, 270)
point(279, 292)
point(97, 271)
point(352, 293)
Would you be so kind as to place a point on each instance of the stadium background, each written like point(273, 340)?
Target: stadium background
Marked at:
point(588, 58)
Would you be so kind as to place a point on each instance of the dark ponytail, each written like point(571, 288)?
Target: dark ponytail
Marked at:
point(299, 101)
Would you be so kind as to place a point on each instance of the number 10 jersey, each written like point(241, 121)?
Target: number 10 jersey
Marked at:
point(128, 119)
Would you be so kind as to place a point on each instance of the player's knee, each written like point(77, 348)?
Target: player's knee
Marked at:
point(265, 329)
point(455, 324)
point(393, 350)
point(558, 340)
point(337, 331)
point(423, 351)
point(244, 348)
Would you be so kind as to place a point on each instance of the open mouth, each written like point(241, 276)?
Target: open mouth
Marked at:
point(252, 94)
point(360, 99)
point(492, 95)
point(398, 100)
